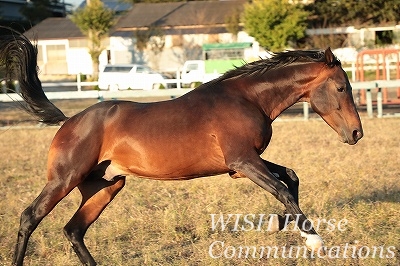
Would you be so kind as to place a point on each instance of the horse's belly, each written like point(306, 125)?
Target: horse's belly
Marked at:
point(169, 159)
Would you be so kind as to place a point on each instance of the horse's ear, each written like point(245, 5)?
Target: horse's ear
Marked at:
point(329, 57)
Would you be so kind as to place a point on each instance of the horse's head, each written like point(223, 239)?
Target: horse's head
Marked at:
point(332, 99)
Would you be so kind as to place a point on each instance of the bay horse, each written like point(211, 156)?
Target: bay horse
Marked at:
point(222, 126)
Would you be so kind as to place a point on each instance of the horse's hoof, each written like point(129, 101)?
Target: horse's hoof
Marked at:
point(313, 242)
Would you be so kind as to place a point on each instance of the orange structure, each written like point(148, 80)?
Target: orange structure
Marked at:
point(382, 70)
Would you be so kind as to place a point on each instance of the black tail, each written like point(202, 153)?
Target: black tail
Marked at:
point(18, 57)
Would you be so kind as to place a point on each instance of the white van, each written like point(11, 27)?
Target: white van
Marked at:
point(132, 76)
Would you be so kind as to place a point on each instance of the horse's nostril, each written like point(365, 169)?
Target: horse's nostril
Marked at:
point(357, 135)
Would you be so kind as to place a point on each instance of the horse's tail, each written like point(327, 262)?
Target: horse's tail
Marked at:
point(18, 57)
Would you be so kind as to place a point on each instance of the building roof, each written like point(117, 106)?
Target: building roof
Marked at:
point(175, 14)
point(173, 17)
point(146, 14)
point(203, 13)
point(54, 28)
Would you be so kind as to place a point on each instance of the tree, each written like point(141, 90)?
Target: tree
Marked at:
point(154, 38)
point(94, 21)
point(275, 24)
point(358, 13)
point(233, 22)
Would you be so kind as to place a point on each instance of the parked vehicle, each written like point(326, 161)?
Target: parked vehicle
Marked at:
point(130, 76)
point(194, 71)
point(217, 59)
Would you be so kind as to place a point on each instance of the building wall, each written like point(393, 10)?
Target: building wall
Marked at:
point(177, 49)
point(359, 38)
point(63, 57)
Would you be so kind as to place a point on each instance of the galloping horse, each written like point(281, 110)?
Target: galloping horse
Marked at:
point(222, 126)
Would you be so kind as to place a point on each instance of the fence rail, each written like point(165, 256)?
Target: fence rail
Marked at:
point(94, 94)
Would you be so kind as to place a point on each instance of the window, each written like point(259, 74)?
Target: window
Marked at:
point(384, 37)
point(78, 43)
point(225, 54)
point(56, 53)
point(119, 69)
point(142, 69)
point(191, 67)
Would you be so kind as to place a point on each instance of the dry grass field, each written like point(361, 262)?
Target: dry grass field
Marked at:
point(170, 223)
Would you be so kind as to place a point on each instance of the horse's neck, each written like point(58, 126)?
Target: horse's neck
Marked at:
point(281, 90)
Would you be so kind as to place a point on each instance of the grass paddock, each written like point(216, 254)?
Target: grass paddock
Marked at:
point(170, 223)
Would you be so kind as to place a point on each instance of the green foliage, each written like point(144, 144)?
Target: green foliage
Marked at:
point(94, 18)
point(233, 22)
point(94, 21)
point(275, 23)
point(149, 37)
point(359, 13)
point(36, 11)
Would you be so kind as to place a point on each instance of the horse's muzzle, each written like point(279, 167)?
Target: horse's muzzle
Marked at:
point(357, 134)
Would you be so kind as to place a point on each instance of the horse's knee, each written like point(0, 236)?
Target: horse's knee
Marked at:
point(74, 234)
point(291, 173)
point(28, 222)
point(285, 196)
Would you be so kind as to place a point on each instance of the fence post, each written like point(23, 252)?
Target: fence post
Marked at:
point(78, 81)
point(3, 86)
point(178, 79)
point(305, 110)
point(379, 103)
point(17, 87)
point(369, 104)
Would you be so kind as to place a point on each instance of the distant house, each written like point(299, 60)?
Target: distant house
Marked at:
point(62, 48)
point(180, 28)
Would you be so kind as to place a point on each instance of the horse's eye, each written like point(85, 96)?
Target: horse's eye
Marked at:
point(340, 89)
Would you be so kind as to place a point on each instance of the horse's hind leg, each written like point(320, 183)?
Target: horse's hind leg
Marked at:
point(97, 193)
point(52, 193)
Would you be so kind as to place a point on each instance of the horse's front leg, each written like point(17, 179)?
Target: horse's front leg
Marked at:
point(287, 176)
point(257, 170)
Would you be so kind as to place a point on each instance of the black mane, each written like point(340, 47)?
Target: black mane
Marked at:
point(277, 61)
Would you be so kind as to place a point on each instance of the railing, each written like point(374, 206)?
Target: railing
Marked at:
point(101, 95)
point(378, 85)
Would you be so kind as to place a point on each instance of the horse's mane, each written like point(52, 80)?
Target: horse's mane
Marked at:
point(278, 60)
